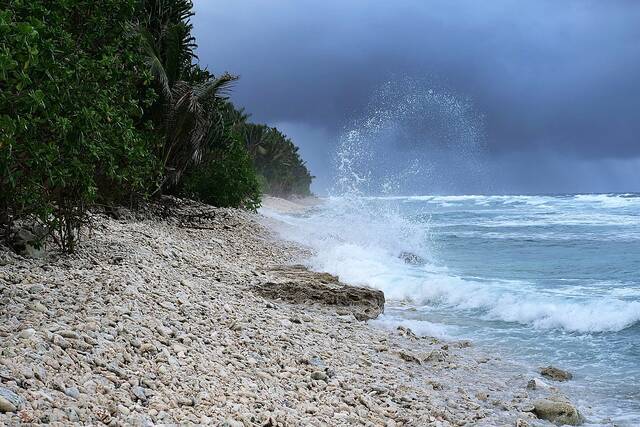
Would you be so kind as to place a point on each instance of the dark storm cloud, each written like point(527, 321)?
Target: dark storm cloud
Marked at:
point(559, 77)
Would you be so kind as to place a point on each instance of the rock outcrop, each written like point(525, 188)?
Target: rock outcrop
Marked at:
point(555, 374)
point(299, 285)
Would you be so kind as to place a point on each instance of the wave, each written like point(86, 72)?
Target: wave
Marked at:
point(420, 327)
point(595, 200)
point(512, 301)
point(360, 241)
point(609, 200)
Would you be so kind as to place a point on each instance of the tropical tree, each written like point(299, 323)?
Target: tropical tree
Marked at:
point(192, 101)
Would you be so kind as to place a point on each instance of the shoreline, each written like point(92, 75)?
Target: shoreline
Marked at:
point(158, 321)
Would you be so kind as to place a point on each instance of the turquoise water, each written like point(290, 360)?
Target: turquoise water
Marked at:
point(540, 279)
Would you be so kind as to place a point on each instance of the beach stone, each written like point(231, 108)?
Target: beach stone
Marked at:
point(299, 285)
point(139, 392)
point(557, 412)
point(9, 401)
point(222, 350)
point(555, 374)
point(72, 392)
point(319, 375)
point(38, 306)
point(27, 333)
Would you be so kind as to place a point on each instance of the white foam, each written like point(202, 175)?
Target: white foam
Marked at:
point(360, 242)
point(608, 200)
point(419, 327)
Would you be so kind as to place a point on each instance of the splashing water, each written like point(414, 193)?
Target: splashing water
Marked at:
point(542, 279)
point(410, 137)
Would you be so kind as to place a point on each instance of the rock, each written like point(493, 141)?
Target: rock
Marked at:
point(186, 401)
point(536, 384)
point(557, 412)
point(69, 334)
point(406, 332)
point(482, 396)
point(164, 331)
point(521, 423)
point(319, 375)
point(119, 213)
point(409, 357)
point(38, 306)
point(9, 401)
point(299, 285)
point(316, 361)
point(147, 348)
point(40, 373)
point(27, 333)
point(61, 342)
point(37, 288)
point(72, 392)
point(27, 244)
point(411, 258)
point(139, 393)
point(179, 348)
point(555, 373)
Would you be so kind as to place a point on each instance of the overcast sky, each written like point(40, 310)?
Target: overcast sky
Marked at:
point(550, 88)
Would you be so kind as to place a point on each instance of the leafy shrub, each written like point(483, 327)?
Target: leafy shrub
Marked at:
point(226, 179)
point(73, 86)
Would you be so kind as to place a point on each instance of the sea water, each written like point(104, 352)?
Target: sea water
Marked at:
point(548, 279)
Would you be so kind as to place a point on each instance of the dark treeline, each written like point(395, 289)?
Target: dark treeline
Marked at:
point(102, 102)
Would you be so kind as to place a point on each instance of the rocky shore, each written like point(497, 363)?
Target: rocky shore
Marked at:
point(189, 314)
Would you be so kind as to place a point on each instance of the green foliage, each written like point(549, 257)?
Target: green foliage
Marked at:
point(227, 178)
point(277, 160)
point(73, 88)
point(189, 111)
point(101, 102)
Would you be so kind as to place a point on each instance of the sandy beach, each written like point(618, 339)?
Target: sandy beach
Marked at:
point(186, 314)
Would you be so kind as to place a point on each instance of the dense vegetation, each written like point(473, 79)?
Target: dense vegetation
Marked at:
point(102, 102)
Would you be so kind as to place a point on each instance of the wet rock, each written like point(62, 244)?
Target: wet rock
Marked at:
point(299, 285)
point(555, 374)
point(411, 258)
point(557, 412)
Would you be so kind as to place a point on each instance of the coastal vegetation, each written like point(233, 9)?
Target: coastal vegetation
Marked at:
point(104, 103)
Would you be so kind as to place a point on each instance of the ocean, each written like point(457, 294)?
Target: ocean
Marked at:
point(538, 279)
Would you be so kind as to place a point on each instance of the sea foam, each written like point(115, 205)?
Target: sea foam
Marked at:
point(361, 240)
